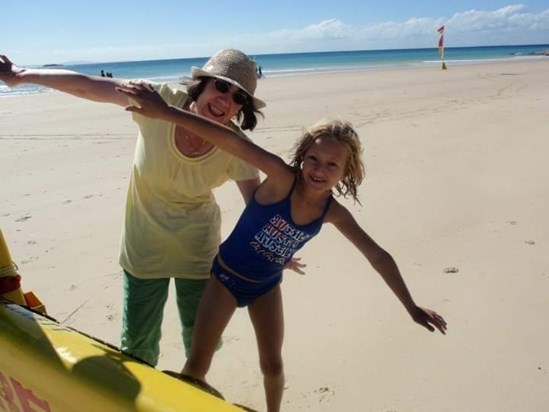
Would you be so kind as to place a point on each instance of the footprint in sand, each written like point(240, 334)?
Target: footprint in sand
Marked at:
point(324, 393)
point(23, 218)
point(112, 313)
point(451, 269)
point(530, 242)
point(30, 260)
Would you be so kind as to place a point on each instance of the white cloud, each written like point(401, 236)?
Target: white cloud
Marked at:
point(512, 24)
point(507, 25)
point(327, 29)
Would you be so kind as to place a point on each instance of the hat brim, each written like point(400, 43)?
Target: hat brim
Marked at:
point(197, 72)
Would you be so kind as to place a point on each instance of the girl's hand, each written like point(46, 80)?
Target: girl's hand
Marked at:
point(295, 265)
point(149, 102)
point(9, 72)
point(429, 319)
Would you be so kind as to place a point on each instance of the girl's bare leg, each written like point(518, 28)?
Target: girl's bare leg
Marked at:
point(214, 312)
point(267, 318)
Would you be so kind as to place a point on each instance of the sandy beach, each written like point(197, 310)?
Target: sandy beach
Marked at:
point(456, 189)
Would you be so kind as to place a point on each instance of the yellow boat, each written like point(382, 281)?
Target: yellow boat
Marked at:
point(46, 366)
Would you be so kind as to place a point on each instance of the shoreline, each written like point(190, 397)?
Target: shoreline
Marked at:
point(428, 65)
point(454, 166)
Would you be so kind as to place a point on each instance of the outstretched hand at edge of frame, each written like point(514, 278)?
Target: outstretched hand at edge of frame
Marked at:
point(429, 319)
point(9, 71)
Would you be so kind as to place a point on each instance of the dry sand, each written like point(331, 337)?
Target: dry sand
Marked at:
point(456, 190)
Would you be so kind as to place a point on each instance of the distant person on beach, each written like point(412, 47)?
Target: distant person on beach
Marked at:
point(286, 211)
point(172, 221)
point(259, 72)
point(109, 74)
point(102, 73)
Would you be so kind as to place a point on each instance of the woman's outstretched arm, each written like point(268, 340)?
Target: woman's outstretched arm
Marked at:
point(98, 89)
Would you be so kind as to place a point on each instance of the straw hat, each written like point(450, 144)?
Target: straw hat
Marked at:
point(234, 67)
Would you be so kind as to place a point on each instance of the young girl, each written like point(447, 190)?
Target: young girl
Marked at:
point(286, 211)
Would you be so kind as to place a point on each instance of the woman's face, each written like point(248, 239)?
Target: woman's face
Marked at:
point(217, 101)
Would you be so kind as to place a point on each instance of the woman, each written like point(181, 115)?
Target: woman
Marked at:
point(172, 221)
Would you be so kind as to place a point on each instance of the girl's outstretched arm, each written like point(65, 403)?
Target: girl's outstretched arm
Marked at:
point(385, 265)
point(99, 89)
point(149, 103)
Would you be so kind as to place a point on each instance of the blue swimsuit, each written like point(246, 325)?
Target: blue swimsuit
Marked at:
point(251, 260)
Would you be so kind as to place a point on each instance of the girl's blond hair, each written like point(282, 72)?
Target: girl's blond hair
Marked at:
point(342, 132)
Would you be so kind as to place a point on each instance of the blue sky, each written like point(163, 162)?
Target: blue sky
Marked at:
point(60, 31)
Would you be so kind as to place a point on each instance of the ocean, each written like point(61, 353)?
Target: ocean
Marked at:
point(286, 64)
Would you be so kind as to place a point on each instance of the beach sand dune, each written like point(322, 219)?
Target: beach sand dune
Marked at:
point(456, 190)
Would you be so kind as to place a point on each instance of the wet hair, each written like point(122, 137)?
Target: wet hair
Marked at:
point(246, 116)
point(342, 132)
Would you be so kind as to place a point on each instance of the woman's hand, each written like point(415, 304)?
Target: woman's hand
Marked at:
point(149, 102)
point(429, 319)
point(9, 72)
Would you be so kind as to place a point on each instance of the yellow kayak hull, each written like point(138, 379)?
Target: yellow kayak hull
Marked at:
point(45, 366)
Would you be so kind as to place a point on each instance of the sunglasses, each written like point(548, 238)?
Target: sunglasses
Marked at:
point(239, 97)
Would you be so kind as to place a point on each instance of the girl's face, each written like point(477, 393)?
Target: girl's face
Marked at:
point(217, 101)
point(324, 163)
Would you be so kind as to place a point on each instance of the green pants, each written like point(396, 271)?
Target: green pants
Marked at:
point(144, 301)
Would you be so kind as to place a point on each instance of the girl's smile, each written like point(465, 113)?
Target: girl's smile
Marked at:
point(324, 163)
